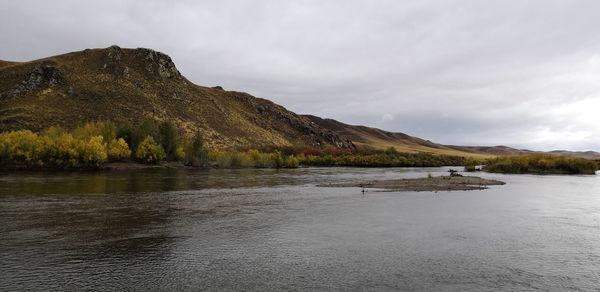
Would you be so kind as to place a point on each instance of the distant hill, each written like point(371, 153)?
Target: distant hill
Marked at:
point(127, 85)
point(373, 138)
point(583, 154)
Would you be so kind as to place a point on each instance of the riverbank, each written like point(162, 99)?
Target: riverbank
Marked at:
point(542, 164)
point(426, 184)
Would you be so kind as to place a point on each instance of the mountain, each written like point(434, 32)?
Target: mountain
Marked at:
point(127, 85)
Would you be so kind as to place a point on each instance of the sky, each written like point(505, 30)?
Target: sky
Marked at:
point(520, 73)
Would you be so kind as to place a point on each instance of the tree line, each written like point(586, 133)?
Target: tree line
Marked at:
point(153, 142)
point(96, 143)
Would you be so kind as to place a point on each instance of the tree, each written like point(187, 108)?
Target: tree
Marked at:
point(148, 127)
point(93, 151)
point(195, 153)
point(125, 132)
point(118, 150)
point(169, 139)
point(149, 152)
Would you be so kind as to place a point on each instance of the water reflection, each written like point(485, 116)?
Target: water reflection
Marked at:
point(275, 230)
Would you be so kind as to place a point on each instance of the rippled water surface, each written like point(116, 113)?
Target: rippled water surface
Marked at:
point(276, 230)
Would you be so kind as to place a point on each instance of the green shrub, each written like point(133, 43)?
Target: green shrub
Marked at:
point(125, 132)
point(139, 132)
point(291, 162)
point(259, 159)
point(195, 153)
point(169, 139)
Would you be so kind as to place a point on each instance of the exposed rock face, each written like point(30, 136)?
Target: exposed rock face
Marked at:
point(160, 62)
point(115, 53)
point(41, 76)
point(151, 60)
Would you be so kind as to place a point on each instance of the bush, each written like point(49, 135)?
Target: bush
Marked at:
point(542, 164)
point(92, 152)
point(62, 149)
point(387, 158)
point(139, 132)
point(55, 149)
point(195, 153)
point(169, 139)
point(180, 154)
point(291, 162)
point(125, 132)
point(118, 150)
point(23, 147)
point(259, 159)
point(107, 130)
point(149, 152)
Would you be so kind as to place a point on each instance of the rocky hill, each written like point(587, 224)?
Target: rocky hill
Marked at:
point(127, 85)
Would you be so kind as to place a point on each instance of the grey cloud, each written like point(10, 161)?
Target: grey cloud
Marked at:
point(518, 73)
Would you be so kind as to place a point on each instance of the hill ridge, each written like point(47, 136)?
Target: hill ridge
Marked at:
point(129, 84)
point(125, 85)
point(373, 138)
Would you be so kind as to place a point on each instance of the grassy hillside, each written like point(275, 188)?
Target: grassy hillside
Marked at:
point(6, 63)
point(372, 138)
point(128, 85)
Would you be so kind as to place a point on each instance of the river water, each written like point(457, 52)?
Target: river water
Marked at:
point(276, 230)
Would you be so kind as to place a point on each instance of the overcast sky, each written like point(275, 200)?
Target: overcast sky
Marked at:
point(518, 73)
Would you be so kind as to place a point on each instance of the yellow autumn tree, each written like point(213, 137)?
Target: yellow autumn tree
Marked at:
point(149, 151)
point(92, 152)
point(118, 150)
point(62, 150)
point(22, 147)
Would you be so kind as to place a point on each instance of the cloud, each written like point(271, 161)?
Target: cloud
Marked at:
point(518, 73)
point(387, 118)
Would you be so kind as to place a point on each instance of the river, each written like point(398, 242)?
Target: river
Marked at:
point(277, 230)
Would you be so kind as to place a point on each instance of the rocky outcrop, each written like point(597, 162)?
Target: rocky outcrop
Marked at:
point(158, 62)
point(42, 76)
point(117, 61)
point(115, 53)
